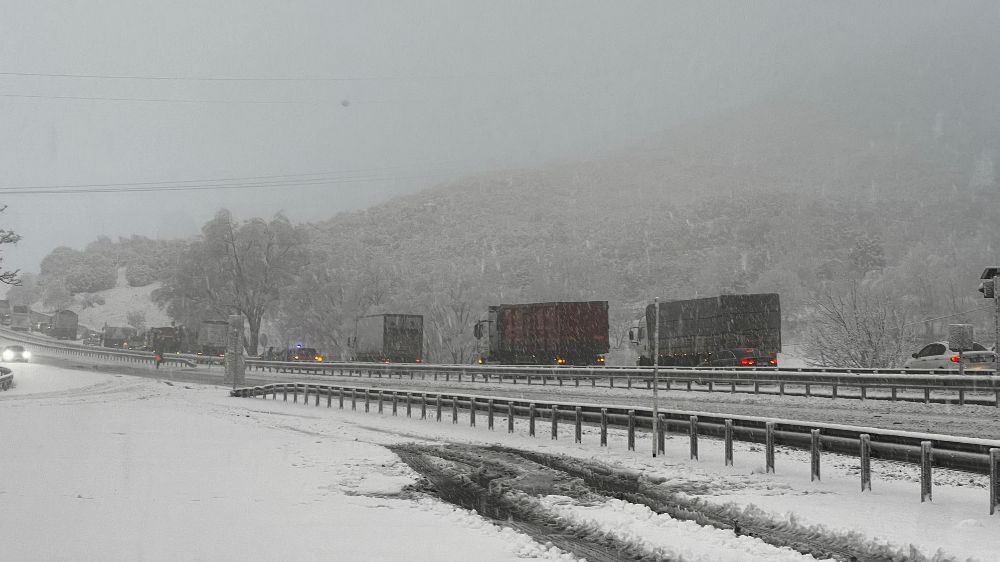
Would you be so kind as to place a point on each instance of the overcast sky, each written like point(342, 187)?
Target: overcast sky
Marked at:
point(360, 101)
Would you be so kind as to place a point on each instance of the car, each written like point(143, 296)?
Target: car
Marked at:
point(15, 353)
point(741, 357)
point(303, 354)
point(937, 356)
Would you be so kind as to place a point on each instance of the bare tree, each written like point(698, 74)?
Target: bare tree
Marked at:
point(861, 328)
point(136, 319)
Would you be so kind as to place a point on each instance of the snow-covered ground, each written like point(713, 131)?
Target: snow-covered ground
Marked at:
point(111, 467)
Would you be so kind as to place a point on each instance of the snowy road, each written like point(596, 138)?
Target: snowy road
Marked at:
point(115, 467)
point(946, 419)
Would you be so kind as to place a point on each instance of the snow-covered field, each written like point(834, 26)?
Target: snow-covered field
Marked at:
point(111, 467)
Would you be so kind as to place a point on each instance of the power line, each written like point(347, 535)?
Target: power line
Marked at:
point(180, 100)
point(245, 78)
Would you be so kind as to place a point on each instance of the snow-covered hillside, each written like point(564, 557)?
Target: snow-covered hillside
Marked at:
point(118, 302)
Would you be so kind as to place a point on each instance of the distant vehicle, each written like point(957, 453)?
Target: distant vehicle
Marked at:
point(937, 356)
point(118, 337)
point(15, 353)
point(696, 331)
point(165, 339)
point(212, 337)
point(64, 325)
point(545, 333)
point(389, 338)
point(742, 357)
point(5, 312)
point(20, 318)
point(93, 339)
point(307, 354)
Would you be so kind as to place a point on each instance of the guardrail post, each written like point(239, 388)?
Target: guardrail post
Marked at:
point(927, 396)
point(693, 431)
point(996, 398)
point(317, 396)
point(808, 390)
point(611, 381)
point(593, 384)
point(380, 397)
point(395, 402)
point(604, 427)
point(756, 387)
point(354, 399)
point(454, 409)
point(668, 383)
point(893, 394)
point(423, 406)
point(661, 428)
point(577, 381)
point(438, 407)
point(629, 380)
point(409, 405)
point(274, 393)
point(689, 386)
point(531, 419)
point(781, 389)
point(866, 463)
point(284, 392)
point(833, 393)
point(769, 448)
point(489, 414)
point(560, 379)
point(554, 411)
point(961, 397)
point(305, 395)
point(510, 417)
point(815, 450)
point(367, 400)
point(472, 412)
point(631, 430)
point(578, 433)
point(926, 458)
point(729, 443)
point(732, 388)
point(994, 480)
point(329, 397)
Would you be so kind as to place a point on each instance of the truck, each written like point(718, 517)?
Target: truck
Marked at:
point(64, 325)
point(164, 339)
point(702, 331)
point(545, 333)
point(20, 318)
point(117, 337)
point(389, 338)
point(212, 336)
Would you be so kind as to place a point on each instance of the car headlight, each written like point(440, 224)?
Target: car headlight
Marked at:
point(8, 355)
point(26, 354)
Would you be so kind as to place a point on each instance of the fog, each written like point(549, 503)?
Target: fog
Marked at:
point(372, 100)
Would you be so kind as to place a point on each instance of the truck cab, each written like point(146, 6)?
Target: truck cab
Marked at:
point(637, 337)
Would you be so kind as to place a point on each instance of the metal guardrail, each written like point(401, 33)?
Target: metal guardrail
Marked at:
point(58, 346)
point(931, 386)
point(980, 456)
point(6, 378)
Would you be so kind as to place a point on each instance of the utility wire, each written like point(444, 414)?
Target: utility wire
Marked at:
point(245, 78)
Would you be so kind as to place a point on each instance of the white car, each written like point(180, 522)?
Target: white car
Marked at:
point(937, 356)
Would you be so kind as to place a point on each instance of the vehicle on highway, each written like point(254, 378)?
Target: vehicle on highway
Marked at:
point(694, 331)
point(937, 356)
point(544, 333)
point(741, 357)
point(388, 338)
point(15, 353)
point(306, 354)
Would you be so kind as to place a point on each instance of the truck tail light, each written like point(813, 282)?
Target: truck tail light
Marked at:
point(955, 359)
point(419, 360)
point(773, 361)
point(600, 359)
point(748, 362)
point(560, 361)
